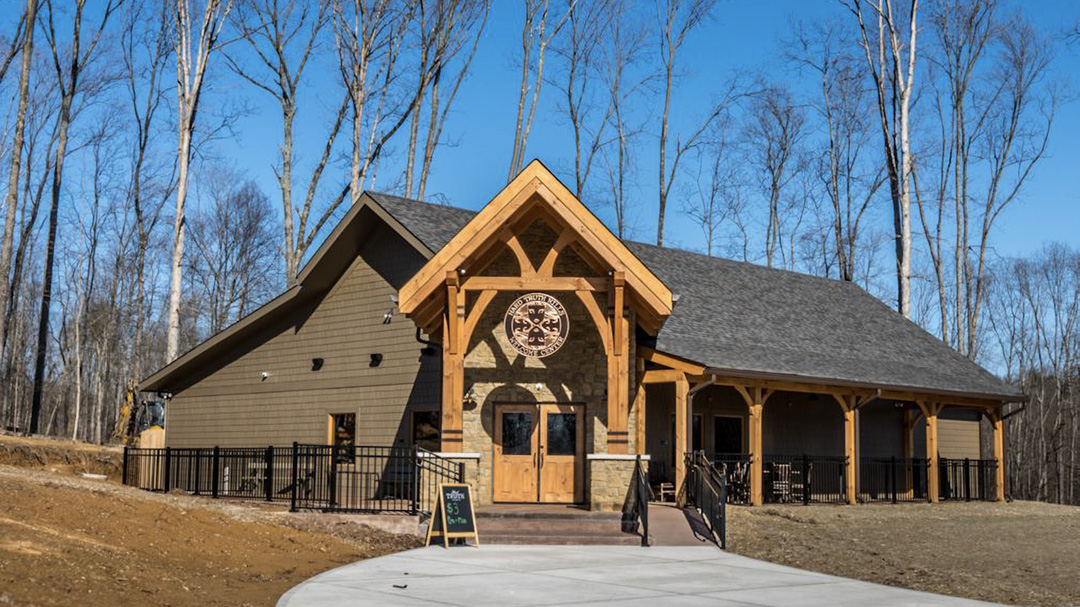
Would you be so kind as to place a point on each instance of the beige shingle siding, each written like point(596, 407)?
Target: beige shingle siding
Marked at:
point(233, 406)
point(958, 439)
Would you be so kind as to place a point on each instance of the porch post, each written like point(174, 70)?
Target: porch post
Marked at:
point(931, 410)
point(453, 375)
point(639, 408)
point(755, 401)
point(618, 369)
point(682, 389)
point(848, 403)
point(999, 453)
point(910, 419)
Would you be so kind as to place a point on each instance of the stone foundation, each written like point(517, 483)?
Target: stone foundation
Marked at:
point(608, 480)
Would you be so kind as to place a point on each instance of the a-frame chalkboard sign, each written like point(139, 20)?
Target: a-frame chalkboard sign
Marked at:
point(453, 516)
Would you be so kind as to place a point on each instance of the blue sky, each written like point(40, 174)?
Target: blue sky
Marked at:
point(743, 36)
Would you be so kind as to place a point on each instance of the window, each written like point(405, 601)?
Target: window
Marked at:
point(425, 429)
point(343, 435)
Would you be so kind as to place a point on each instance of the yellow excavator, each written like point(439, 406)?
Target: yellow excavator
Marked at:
point(142, 421)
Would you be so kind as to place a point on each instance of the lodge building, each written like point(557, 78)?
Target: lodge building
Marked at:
point(528, 342)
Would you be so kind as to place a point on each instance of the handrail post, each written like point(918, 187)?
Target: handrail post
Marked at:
point(168, 472)
point(214, 473)
point(417, 475)
point(295, 465)
point(723, 512)
point(124, 473)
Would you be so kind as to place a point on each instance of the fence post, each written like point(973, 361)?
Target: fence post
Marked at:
point(967, 479)
point(214, 473)
point(805, 480)
point(168, 464)
point(417, 475)
point(198, 465)
point(295, 462)
point(892, 477)
point(124, 472)
point(268, 473)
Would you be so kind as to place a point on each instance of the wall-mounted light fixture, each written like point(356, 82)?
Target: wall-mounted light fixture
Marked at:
point(316, 364)
point(376, 359)
point(263, 376)
point(469, 401)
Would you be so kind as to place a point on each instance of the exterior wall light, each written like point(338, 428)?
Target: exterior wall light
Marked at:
point(376, 359)
point(316, 364)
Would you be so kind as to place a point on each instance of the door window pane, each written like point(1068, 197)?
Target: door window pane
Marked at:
point(343, 435)
point(517, 433)
point(562, 433)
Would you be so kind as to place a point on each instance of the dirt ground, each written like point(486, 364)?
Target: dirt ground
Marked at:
point(68, 540)
point(1020, 553)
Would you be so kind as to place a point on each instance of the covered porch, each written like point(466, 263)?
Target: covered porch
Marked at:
point(790, 442)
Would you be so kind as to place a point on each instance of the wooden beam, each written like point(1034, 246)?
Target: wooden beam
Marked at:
point(849, 405)
point(524, 263)
point(525, 283)
point(547, 267)
point(593, 308)
point(662, 376)
point(755, 398)
point(671, 362)
point(931, 411)
point(481, 304)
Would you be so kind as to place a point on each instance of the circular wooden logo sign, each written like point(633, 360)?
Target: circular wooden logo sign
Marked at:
point(537, 325)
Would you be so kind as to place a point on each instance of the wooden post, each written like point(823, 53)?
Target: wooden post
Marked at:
point(850, 453)
point(933, 475)
point(682, 389)
point(618, 369)
point(757, 455)
point(639, 408)
point(997, 419)
point(755, 401)
point(453, 380)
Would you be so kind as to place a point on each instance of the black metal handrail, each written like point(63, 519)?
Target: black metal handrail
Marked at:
point(967, 479)
point(893, 479)
point(706, 490)
point(635, 517)
point(355, 478)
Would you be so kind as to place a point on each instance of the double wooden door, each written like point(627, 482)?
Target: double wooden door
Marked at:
point(539, 453)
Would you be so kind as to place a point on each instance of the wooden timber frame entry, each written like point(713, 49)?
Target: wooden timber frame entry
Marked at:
point(689, 377)
point(436, 297)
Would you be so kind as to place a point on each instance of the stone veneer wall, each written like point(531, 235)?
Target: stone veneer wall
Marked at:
point(609, 481)
point(497, 374)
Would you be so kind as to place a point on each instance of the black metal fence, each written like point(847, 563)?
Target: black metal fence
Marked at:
point(803, 478)
point(893, 479)
point(707, 490)
point(307, 477)
point(967, 479)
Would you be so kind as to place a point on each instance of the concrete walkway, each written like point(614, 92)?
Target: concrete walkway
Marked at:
point(589, 575)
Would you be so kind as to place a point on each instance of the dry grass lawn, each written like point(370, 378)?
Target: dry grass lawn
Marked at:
point(1020, 553)
point(66, 540)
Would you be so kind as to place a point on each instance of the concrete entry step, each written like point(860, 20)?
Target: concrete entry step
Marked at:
point(551, 525)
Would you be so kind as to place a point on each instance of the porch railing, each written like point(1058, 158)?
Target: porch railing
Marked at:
point(636, 512)
point(803, 478)
point(967, 479)
point(707, 491)
point(307, 477)
point(893, 479)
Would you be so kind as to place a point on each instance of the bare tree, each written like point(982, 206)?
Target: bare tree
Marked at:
point(891, 57)
point(68, 70)
point(842, 168)
point(234, 245)
point(537, 33)
point(282, 37)
point(714, 198)
point(676, 19)
point(444, 31)
point(622, 51)
point(29, 19)
point(193, 51)
point(774, 133)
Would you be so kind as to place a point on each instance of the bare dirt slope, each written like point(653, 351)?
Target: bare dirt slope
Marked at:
point(1020, 553)
point(66, 540)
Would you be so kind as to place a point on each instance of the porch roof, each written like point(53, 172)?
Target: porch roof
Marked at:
point(741, 318)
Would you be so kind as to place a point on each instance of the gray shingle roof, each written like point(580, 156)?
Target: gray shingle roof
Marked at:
point(739, 317)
